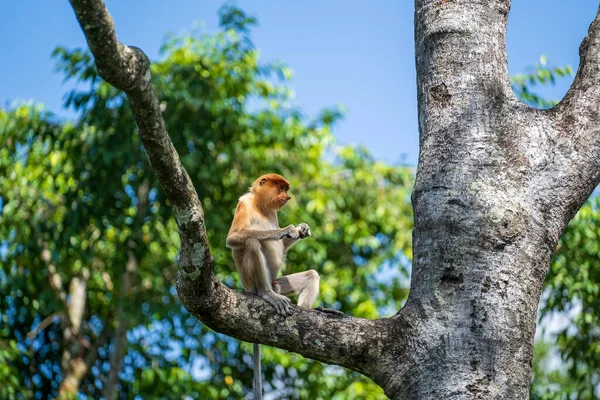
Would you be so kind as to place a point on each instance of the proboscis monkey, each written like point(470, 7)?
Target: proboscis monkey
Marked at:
point(259, 248)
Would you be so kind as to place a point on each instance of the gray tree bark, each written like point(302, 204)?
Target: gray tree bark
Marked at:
point(496, 184)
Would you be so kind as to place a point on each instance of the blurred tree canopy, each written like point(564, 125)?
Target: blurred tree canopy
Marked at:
point(572, 289)
point(88, 243)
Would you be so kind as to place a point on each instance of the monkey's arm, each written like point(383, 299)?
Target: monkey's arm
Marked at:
point(303, 232)
point(237, 238)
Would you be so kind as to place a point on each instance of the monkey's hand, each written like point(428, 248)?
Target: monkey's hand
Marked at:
point(290, 232)
point(303, 230)
point(281, 303)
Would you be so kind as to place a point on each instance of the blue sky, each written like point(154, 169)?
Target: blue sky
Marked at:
point(342, 51)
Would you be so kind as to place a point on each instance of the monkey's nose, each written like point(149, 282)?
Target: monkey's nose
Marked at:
point(288, 198)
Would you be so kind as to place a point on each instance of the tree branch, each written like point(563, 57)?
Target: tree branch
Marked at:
point(77, 300)
point(49, 320)
point(92, 354)
point(568, 170)
point(576, 126)
point(584, 94)
point(76, 365)
point(53, 277)
point(345, 341)
point(120, 336)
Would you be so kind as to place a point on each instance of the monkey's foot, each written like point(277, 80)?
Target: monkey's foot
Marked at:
point(330, 311)
point(281, 303)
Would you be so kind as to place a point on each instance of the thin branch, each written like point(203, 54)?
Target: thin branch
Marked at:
point(92, 354)
point(344, 341)
point(128, 279)
point(77, 301)
point(49, 320)
point(56, 283)
point(53, 277)
point(76, 365)
point(120, 341)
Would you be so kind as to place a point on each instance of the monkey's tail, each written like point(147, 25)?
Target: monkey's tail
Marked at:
point(257, 373)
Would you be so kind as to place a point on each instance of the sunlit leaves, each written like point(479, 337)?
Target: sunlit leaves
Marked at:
point(572, 288)
point(542, 74)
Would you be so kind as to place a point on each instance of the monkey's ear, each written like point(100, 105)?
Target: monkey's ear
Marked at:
point(262, 181)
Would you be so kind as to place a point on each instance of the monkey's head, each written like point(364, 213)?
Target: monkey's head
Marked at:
point(271, 191)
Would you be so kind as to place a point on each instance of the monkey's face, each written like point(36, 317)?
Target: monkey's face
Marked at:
point(272, 191)
point(279, 196)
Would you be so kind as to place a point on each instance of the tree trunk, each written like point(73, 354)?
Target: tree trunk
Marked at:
point(76, 359)
point(119, 344)
point(496, 184)
point(481, 242)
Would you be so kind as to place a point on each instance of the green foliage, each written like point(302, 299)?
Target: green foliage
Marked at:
point(81, 198)
point(549, 383)
point(572, 289)
point(11, 387)
point(541, 75)
point(34, 175)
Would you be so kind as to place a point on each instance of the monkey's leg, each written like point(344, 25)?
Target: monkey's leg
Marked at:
point(255, 266)
point(304, 284)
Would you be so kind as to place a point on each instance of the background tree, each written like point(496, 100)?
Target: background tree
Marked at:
point(572, 291)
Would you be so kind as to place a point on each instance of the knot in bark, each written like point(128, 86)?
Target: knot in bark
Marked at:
point(128, 72)
point(439, 93)
point(508, 226)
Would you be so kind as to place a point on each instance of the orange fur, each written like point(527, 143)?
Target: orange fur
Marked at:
point(268, 193)
point(273, 179)
point(240, 219)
